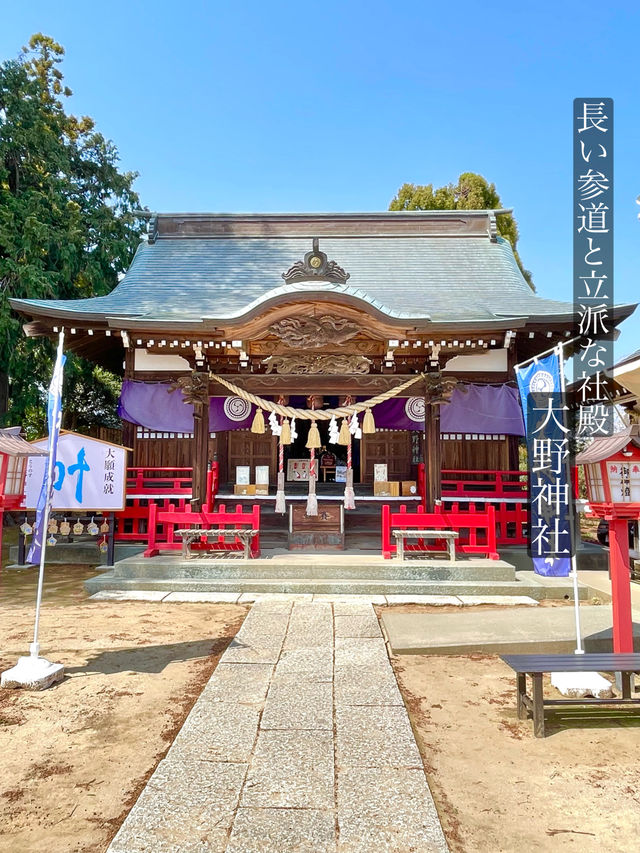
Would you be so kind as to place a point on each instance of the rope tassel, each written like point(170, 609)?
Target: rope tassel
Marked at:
point(258, 423)
point(285, 435)
point(313, 439)
point(368, 423)
point(344, 437)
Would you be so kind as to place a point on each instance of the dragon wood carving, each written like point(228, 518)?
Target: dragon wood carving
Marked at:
point(314, 332)
point(438, 388)
point(195, 388)
point(318, 364)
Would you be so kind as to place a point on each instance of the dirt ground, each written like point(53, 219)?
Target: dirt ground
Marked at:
point(496, 787)
point(74, 758)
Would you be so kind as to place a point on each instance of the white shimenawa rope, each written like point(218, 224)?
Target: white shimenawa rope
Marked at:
point(316, 414)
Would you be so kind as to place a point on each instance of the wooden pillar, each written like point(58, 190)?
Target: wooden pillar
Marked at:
point(129, 429)
point(620, 585)
point(200, 460)
point(432, 454)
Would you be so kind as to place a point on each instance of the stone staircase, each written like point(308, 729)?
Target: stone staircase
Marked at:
point(348, 573)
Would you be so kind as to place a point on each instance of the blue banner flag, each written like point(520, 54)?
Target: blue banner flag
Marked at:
point(550, 535)
point(54, 417)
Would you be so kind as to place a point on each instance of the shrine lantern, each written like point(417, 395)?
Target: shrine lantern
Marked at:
point(14, 453)
point(612, 473)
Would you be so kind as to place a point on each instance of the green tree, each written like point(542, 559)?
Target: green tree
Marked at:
point(68, 225)
point(472, 192)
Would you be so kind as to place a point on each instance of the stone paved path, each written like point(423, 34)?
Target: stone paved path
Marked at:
point(299, 742)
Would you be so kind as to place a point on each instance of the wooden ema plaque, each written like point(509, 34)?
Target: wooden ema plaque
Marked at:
point(311, 532)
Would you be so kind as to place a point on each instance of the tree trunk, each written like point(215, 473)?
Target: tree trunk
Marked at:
point(4, 396)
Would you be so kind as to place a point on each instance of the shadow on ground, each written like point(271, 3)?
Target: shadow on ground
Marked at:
point(151, 659)
point(590, 717)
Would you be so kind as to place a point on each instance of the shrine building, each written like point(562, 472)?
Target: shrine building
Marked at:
point(226, 324)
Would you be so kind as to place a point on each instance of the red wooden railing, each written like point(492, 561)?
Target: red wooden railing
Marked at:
point(512, 519)
point(470, 483)
point(162, 526)
point(168, 487)
point(505, 491)
point(159, 481)
point(477, 529)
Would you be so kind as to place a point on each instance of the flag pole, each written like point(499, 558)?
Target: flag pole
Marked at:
point(558, 346)
point(34, 648)
point(33, 672)
point(579, 650)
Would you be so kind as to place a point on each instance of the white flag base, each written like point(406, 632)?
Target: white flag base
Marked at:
point(580, 684)
point(32, 673)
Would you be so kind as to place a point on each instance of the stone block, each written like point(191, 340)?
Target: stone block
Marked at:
point(378, 736)
point(217, 731)
point(579, 684)
point(353, 686)
point(314, 664)
point(358, 625)
point(387, 809)
point(186, 806)
point(244, 683)
point(274, 830)
point(129, 595)
point(360, 651)
point(32, 673)
point(293, 703)
point(432, 600)
point(500, 600)
point(274, 598)
point(291, 769)
point(241, 651)
point(347, 600)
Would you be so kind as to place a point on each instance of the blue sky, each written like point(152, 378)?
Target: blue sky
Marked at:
point(278, 106)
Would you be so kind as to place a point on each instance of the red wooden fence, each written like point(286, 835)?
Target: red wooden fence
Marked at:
point(477, 529)
point(163, 523)
point(168, 487)
point(505, 491)
point(473, 483)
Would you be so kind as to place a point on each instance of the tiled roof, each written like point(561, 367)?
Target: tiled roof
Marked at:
point(442, 279)
point(12, 444)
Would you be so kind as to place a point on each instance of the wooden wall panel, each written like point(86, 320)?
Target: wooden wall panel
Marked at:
point(469, 454)
point(176, 451)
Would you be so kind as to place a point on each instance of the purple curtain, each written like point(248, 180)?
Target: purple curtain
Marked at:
point(482, 409)
point(150, 405)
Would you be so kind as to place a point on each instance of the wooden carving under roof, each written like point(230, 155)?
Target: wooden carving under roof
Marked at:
point(309, 319)
point(314, 332)
point(318, 364)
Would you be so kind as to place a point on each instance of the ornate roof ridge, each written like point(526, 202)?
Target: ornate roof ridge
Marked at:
point(446, 223)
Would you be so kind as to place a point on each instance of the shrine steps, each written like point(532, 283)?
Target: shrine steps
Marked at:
point(320, 567)
point(390, 579)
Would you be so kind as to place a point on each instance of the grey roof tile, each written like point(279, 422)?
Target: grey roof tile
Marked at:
point(441, 278)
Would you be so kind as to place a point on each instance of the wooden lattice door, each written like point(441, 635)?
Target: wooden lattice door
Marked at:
point(392, 447)
point(248, 448)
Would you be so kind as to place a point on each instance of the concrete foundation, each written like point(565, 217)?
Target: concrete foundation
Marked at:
point(342, 574)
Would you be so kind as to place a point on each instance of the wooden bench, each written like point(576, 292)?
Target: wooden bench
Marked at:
point(406, 533)
point(218, 539)
point(537, 665)
point(476, 530)
point(164, 527)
